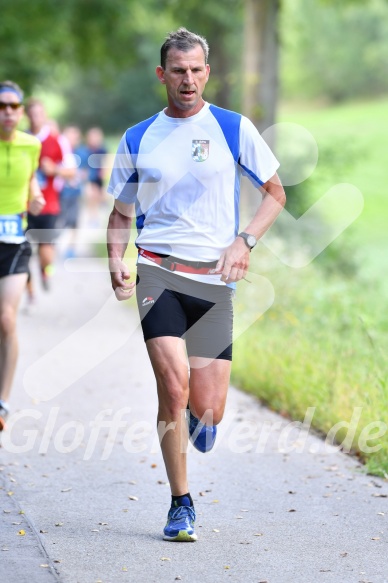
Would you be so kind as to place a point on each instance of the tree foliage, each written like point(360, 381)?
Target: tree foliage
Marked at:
point(102, 54)
point(334, 50)
point(38, 36)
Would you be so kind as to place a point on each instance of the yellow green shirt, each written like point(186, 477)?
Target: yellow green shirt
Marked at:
point(19, 159)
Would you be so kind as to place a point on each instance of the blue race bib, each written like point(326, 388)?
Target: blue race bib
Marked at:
point(11, 226)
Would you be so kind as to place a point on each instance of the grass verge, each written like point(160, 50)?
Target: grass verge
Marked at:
point(323, 343)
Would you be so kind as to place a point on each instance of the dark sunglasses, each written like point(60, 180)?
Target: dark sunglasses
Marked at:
point(4, 105)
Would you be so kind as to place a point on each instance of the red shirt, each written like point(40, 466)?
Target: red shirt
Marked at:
point(50, 149)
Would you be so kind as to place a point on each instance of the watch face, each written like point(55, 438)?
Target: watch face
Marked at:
point(251, 240)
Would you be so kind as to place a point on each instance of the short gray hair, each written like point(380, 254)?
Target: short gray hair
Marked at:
point(183, 40)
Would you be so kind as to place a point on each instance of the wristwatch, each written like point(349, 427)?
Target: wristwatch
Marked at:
point(250, 240)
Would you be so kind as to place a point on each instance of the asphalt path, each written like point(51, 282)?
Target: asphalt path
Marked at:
point(83, 490)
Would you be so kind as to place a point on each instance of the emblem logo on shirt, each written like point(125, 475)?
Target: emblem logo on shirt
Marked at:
point(200, 150)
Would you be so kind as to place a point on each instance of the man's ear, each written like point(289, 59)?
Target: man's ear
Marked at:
point(160, 74)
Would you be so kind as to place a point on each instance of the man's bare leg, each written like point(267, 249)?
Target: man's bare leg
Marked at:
point(11, 289)
point(209, 382)
point(171, 373)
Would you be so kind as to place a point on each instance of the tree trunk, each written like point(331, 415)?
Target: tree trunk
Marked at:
point(220, 70)
point(260, 62)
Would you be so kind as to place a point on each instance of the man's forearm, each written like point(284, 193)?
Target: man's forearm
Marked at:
point(34, 190)
point(119, 228)
point(272, 204)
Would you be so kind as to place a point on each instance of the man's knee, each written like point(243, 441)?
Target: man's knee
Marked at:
point(172, 400)
point(7, 321)
point(208, 415)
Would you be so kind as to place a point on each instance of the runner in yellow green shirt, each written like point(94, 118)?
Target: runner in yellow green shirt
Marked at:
point(19, 190)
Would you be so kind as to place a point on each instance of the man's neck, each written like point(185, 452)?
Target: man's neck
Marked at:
point(6, 137)
point(172, 111)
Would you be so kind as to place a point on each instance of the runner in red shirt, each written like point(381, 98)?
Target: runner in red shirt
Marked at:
point(56, 164)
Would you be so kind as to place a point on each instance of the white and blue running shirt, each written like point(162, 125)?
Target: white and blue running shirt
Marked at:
point(183, 175)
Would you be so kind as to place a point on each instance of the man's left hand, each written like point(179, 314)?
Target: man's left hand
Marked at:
point(234, 262)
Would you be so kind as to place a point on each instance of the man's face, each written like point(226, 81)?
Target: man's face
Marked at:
point(9, 118)
point(185, 77)
point(37, 116)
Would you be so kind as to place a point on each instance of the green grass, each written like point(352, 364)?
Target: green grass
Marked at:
point(323, 343)
point(357, 132)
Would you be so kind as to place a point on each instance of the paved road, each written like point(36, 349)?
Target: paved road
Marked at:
point(82, 474)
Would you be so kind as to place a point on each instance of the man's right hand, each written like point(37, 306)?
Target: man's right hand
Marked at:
point(119, 274)
point(36, 205)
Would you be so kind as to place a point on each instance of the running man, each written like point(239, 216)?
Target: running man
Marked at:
point(56, 164)
point(95, 191)
point(73, 189)
point(19, 158)
point(179, 173)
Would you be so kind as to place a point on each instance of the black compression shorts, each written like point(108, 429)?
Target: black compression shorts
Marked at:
point(43, 228)
point(173, 305)
point(14, 258)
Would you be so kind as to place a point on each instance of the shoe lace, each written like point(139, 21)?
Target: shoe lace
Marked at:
point(182, 512)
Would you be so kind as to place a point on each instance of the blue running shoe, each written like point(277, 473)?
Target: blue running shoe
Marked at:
point(202, 436)
point(180, 524)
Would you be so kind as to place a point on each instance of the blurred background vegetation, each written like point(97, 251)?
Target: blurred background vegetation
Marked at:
point(321, 64)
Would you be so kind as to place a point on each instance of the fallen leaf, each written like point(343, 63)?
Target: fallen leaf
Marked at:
point(10, 493)
point(44, 566)
point(379, 495)
point(258, 534)
point(124, 569)
point(375, 538)
point(215, 530)
point(154, 465)
point(165, 559)
point(215, 501)
point(21, 511)
point(21, 532)
point(133, 498)
point(226, 567)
